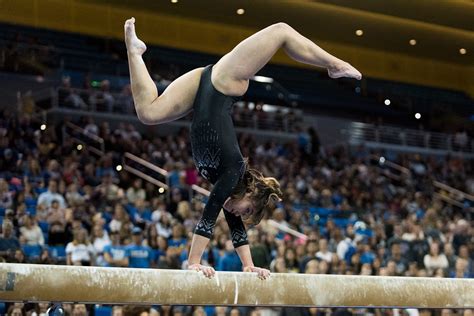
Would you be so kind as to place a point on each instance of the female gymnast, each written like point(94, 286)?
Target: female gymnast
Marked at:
point(243, 193)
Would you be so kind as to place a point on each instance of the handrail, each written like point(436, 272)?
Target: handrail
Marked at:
point(145, 176)
point(435, 183)
point(287, 229)
point(448, 199)
point(82, 131)
point(141, 161)
point(453, 190)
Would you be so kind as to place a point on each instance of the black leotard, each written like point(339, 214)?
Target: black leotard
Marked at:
point(217, 155)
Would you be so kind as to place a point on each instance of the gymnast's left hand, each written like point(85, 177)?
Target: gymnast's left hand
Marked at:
point(261, 272)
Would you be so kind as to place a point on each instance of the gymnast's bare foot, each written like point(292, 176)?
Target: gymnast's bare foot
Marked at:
point(343, 69)
point(133, 43)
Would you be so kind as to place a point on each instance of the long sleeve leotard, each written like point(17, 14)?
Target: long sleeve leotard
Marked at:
point(217, 155)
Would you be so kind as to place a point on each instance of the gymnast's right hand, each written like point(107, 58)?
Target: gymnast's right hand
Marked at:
point(209, 272)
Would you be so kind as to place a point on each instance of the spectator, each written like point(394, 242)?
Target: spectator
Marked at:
point(6, 196)
point(100, 239)
point(80, 252)
point(8, 242)
point(435, 259)
point(230, 261)
point(260, 254)
point(136, 192)
point(324, 253)
point(45, 199)
point(31, 233)
point(140, 256)
point(115, 254)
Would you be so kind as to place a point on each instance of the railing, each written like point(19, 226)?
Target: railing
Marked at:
point(121, 103)
point(145, 170)
point(362, 132)
point(455, 197)
point(88, 141)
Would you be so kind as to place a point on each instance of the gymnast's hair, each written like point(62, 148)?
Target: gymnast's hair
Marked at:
point(265, 193)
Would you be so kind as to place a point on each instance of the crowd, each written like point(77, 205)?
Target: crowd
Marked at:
point(101, 98)
point(61, 204)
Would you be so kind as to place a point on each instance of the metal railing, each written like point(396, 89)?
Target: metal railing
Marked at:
point(88, 141)
point(454, 196)
point(119, 103)
point(362, 132)
point(145, 170)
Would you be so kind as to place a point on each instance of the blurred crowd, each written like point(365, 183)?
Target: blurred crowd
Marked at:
point(61, 204)
point(98, 96)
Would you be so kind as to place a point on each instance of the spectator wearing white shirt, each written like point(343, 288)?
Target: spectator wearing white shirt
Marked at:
point(136, 192)
point(31, 233)
point(100, 239)
point(434, 259)
point(324, 253)
point(80, 252)
point(46, 198)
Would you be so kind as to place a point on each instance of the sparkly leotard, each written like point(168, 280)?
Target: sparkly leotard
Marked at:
point(217, 155)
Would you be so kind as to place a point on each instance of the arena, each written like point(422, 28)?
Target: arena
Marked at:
point(215, 157)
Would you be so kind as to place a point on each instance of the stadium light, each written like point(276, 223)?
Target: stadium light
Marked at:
point(359, 32)
point(417, 116)
point(387, 102)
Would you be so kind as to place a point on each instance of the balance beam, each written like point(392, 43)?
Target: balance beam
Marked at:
point(94, 285)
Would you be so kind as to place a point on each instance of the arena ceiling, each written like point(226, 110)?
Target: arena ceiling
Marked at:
point(441, 28)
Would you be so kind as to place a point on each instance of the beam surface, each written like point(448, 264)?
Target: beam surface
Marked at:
point(34, 283)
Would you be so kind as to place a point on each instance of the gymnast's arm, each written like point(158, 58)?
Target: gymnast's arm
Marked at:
point(205, 228)
point(241, 245)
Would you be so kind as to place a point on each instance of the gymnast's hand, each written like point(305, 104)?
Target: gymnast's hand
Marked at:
point(209, 272)
point(261, 272)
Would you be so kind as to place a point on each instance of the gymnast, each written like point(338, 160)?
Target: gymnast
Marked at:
point(243, 193)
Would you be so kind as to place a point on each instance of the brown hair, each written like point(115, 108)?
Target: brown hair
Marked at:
point(264, 192)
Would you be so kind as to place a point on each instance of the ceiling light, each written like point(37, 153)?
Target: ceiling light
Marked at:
point(43, 127)
point(387, 102)
point(412, 42)
point(161, 190)
point(174, 1)
point(462, 51)
point(119, 168)
point(79, 147)
point(359, 32)
point(240, 11)
point(418, 116)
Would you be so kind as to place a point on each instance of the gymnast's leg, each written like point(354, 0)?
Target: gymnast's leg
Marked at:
point(231, 73)
point(175, 102)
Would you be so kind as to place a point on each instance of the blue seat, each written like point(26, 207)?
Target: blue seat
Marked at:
point(102, 310)
point(57, 252)
point(32, 251)
point(2, 211)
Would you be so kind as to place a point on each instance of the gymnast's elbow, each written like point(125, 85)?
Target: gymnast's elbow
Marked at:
point(147, 118)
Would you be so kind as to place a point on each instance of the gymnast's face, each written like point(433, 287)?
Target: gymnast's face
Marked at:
point(241, 207)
